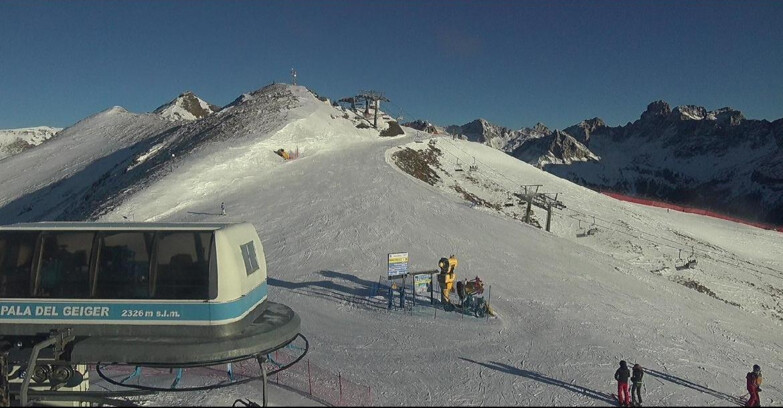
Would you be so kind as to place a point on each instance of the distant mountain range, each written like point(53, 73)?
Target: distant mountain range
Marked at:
point(13, 141)
point(716, 160)
point(185, 107)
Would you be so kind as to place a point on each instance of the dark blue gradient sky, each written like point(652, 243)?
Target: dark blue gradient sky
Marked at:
point(513, 63)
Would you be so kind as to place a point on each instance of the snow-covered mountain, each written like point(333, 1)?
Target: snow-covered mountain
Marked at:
point(538, 145)
point(716, 160)
point(44, 182)
point(187, 106)
point(13, 141)
point(687, 155)
point(570, 305)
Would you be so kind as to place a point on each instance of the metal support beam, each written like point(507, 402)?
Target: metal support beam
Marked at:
point(5, 398)
point(59, 339)
point(375, 121)
point(261, 360)
point(548, 216)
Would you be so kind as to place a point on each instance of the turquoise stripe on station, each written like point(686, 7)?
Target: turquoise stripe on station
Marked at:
point(89, 310)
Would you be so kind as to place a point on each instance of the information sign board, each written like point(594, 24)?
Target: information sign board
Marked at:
point(398, 264)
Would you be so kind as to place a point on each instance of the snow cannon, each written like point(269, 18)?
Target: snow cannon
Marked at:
point(446, 278)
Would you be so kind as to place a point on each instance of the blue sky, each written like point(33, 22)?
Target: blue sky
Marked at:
point(513, 63)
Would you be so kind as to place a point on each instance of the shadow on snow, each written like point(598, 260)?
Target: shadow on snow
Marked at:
point(600, 396)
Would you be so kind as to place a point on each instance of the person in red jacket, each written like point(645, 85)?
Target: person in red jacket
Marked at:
point(754, 381)
point(622, 375)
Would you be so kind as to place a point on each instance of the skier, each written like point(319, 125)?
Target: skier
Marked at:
point(621, 375)
point(636, 388)
point(754, 381)
point(223, 208)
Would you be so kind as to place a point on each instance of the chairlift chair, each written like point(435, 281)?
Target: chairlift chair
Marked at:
point(581, 232)
point(473, 166)
point(459, 166)
point(593, 228)
point(689, 264)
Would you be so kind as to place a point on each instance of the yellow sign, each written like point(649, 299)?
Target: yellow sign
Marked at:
point(398, 264)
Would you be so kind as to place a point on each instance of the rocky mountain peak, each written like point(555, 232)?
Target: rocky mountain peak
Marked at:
point(477, 127)
point(728, 116)
point(592, 124)
point(657, 109)
point(689, 112)
point(187, 106)
point(540, 127)
point(584, 129)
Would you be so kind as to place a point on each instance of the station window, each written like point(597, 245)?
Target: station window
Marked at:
point(64, 270)
point(249, 256)
point(124, 265)
point(16, 263)
point(182, 265)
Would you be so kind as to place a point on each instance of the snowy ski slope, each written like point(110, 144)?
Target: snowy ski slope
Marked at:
point(569, 308)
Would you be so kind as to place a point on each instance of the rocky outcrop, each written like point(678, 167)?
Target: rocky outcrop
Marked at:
point(555, 148)
point(422, 125)
point(187, 106)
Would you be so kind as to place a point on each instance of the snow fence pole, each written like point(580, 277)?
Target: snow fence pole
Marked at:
point(309, 377)
point(340, 382)
point(489, 298)
point(432, 287)
point(414, 294)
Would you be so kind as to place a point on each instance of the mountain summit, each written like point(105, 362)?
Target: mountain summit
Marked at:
point(186, 106)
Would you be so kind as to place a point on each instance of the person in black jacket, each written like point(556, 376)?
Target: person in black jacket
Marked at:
point(636, 388)
point(621, 375)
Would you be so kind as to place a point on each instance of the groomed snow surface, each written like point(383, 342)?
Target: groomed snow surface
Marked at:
point(569, 307)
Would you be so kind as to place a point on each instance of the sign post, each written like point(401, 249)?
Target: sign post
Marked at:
point(398, 268)
point(398, 265)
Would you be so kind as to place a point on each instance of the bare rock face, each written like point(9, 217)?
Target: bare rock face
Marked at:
point(187, 106)
point(557, 147)
point(728, 116)
point(657, 110)
point(422, 125)
point(584, 129)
